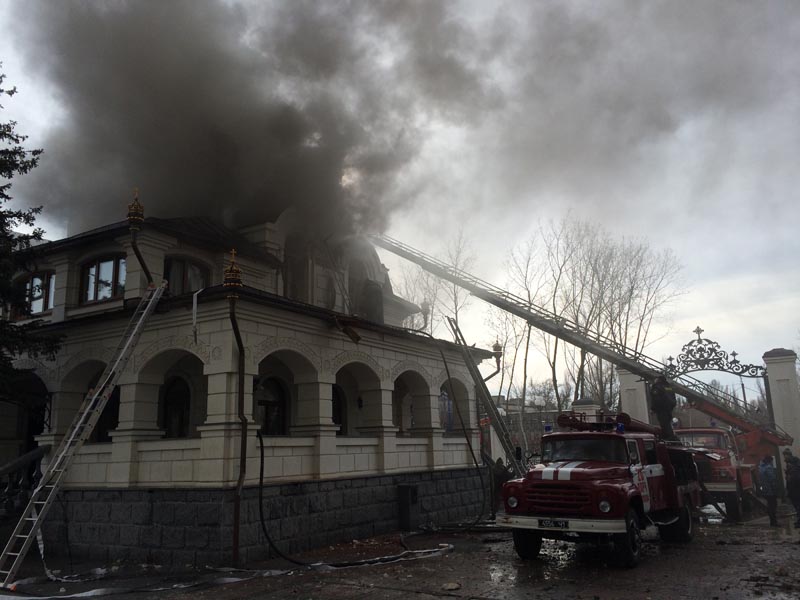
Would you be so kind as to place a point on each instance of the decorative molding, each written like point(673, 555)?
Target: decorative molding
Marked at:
point(271, 345)
point(47, 373)
point(459, 376)
point(173, 342)
point(703, 354)
point(350, 356)
point(410, 365)
point(93, 352)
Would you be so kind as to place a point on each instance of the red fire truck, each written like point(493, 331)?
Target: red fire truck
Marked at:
point(728, 479)
point(603, 481)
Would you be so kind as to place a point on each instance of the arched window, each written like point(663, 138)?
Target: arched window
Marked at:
point(271, 403)
point(339, 409)
point(176, 402)
point(103, 279)
point(185, 276)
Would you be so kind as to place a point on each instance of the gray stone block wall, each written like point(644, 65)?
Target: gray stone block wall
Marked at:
point(195, 527)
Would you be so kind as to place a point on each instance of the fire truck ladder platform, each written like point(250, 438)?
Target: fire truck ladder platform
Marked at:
point(486, 400)
point(705, 398)
point(83, 424)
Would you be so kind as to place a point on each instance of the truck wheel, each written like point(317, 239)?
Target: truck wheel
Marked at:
point(628, 545)
point(527, 543)
point(682, 529)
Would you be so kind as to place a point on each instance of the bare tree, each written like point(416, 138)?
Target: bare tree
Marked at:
point(424, 289)
point(459, 255)
point(608, 289)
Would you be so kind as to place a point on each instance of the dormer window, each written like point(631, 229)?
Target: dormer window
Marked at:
point(185, 276)
point(103, 279)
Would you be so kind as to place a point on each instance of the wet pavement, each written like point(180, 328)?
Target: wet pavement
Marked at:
point(723, 562)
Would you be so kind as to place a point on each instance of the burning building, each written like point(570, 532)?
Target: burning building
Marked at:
point(339, 407)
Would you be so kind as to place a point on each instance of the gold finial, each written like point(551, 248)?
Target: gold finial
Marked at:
point(135, 211)
point(233, 274)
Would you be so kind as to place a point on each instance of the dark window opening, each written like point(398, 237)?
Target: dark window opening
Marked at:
point(185, 276)
point(271, 404)
point(109, 419)
point(339, 409)
point(176, 403)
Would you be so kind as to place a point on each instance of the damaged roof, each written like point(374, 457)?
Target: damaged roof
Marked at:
point(203, 232)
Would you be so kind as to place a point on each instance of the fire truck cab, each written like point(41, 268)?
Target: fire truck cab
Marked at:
point(603, 482)
point(729, 478)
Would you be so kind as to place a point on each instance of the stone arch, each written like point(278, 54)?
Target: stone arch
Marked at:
point(356, 356)
point(93, 353)
point(275, 389)
point(183, 343)
point(454, 399)
point(27, 411)
point(302, 354)
point(358, 389)
point(411, 400)
point(47, 373)
point(77, 382)
point(163, 374)
point(410, 365)
point(78, 374)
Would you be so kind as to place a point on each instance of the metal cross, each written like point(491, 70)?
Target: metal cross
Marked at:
point(698, 331)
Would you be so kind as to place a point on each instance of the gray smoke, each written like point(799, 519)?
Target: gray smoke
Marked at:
point(351, 110)
point(238, 111)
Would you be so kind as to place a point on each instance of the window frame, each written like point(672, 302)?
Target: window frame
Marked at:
point(48, 295)
point(117, 288)
point(185, 262)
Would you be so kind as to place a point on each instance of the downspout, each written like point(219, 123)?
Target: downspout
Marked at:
point(135, 218)
point(233, 280)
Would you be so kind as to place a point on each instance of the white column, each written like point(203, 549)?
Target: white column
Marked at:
point(782, 374)
point(633, 396)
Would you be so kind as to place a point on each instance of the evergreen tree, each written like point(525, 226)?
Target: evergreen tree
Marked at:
point(17, 254)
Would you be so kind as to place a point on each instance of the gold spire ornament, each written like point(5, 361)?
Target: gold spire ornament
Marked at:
point(233, 275)
point(135, 211)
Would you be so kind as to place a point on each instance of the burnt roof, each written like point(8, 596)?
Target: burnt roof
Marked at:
point(203, 232)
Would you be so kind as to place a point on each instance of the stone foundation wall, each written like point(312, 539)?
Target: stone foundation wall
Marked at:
point(195, 527)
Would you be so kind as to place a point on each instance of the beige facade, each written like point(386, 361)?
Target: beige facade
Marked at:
point(355, 395)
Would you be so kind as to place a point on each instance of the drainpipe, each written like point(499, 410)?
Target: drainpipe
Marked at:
point(497, 352)
point(233, 280)
point(135, 218)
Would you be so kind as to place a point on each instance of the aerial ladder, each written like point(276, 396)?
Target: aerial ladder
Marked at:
point(700, 395)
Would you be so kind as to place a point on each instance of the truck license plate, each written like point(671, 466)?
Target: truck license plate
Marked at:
point(554, 523)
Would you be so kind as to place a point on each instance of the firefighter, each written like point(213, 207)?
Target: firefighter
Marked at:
point(768, 486)
point(500, 474)
point(662, 401)
point(793, 482)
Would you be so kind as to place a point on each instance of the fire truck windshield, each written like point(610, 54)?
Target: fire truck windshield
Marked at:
point(609, 449)
point(703, 439)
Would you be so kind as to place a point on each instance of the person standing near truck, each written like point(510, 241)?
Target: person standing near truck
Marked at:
point(793, 482)
point(662, 402)
point(768, 486)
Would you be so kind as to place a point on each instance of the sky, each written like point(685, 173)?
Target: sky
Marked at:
point(672, 121)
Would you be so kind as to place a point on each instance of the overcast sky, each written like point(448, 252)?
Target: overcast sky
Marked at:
point(676, 121)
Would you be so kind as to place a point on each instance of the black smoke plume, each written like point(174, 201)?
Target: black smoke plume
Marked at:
point(235, 110)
